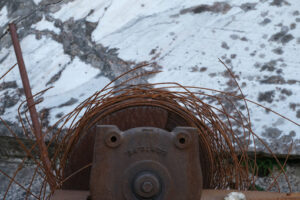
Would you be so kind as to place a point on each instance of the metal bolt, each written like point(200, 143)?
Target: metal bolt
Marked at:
point(147, 186)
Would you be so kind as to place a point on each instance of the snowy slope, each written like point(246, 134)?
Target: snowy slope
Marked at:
point(69, 45)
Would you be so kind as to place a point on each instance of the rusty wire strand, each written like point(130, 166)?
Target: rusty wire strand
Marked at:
point(11, 68)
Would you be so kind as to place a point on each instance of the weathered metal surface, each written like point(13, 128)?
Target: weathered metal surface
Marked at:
point(31, 105)
point(125, 118)
point(82, 153)
point(206, 195)
point(145, 163)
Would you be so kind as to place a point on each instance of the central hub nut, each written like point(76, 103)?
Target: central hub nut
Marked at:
point(146, 185)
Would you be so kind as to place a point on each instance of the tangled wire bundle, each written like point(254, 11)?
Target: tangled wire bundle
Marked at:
point(223, 148)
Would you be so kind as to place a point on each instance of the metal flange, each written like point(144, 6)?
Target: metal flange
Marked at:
point(146, 163)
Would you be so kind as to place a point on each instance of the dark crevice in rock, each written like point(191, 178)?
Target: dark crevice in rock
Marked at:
point(59, 115)
point(75, 37)
point(69, 102)
point(3, 58)
point(9, 84)
point(279, 3)
point(217, 7)
point(56, 76)
point(248, 6)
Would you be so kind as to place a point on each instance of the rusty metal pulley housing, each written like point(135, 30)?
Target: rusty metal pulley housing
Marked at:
point(125, 118)
point(145, 163)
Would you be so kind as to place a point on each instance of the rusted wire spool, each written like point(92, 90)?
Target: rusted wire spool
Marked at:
point(127, 114)
point(144, 105)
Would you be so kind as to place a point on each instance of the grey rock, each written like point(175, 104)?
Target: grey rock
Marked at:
point(293, 26)
point(286, 92)
point(282, 37)
point(277, 79)
point(266, 96)
point(298, 113)
point(272, 132)
point(296, 13)
point(278, 51)
point(234, 36)
point(292, 173)
point(248, 6)
point(225, 45)
point(265, 22)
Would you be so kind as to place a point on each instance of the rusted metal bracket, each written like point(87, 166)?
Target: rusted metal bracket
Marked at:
point(145, 163)
point(31, 106)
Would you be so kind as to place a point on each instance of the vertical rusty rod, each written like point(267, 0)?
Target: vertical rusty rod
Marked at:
point(31, 106)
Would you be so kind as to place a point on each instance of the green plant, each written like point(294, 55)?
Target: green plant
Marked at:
point(263, 166)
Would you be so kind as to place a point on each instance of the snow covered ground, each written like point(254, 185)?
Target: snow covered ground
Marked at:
point(78, 46)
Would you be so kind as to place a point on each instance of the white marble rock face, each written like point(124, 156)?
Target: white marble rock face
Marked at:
point(78, 46)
